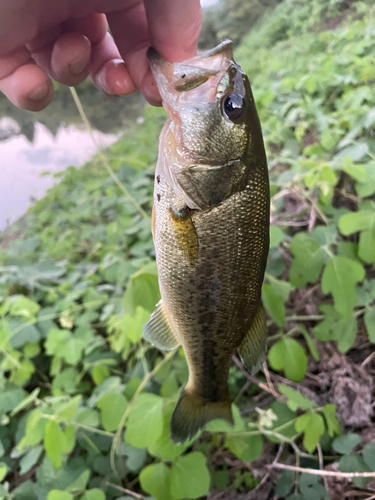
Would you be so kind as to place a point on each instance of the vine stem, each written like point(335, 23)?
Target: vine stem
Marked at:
point(326, 473)
point(103, 157)
point(125, 490)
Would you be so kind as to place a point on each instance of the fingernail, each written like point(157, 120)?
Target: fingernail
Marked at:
point(78, 65)
point(39, 93)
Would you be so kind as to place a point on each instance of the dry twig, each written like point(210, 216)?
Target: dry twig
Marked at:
point(316, 472)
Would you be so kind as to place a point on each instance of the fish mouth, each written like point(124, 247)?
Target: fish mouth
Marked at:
point(174, 78)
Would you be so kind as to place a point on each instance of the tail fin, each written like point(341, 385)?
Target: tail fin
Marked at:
point(193, 412)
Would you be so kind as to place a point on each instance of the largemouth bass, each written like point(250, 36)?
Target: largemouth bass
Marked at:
point(211, 229)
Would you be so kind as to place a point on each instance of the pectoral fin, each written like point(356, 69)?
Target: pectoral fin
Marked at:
point(254, 346)
point(158, 330)
point(186, 233)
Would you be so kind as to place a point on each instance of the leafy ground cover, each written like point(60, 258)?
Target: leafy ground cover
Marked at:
point(85, 404)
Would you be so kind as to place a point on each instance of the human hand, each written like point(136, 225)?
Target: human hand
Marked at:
point(67, 40)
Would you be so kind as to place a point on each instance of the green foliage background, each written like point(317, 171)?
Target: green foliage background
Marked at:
point(85, 404)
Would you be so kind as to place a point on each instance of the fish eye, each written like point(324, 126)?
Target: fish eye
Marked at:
point(233, 106)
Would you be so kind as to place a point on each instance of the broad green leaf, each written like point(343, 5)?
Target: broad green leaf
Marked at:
point(288, 355)
point(23, 306)
point(340, 277)
point(351, 463)
point(142, 290)
point(59, 495)
point(156, 480)
point(312, 425)
point(346, 444)
point(246, 448)
point(274, 304)
point(112, 408)
point(276, 236)
point(369, 319)
point(189, 476)
point(356, 221)
point(357, 172)
point(57, 442)
point(366, 246)
point(333, 425)
point(164, 447)
point(134, 324)
point(99, 374)
point(11, 397)
point(35, 426)
point(308, 262)
point(3, 470)
point(368, 454)
point(30, 459)
point(145, 422)
point(295, 400)
point(94, 494)
point(333, 327)
point(354, 152)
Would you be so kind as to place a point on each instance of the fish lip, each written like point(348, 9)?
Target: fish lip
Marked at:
point(224, 46)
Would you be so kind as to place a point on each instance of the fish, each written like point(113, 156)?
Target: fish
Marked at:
point(210, 225)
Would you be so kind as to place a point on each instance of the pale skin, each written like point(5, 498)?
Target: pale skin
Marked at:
point(68, 41)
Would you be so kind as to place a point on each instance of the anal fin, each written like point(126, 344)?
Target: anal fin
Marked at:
point(158, 330)
point(253, 348)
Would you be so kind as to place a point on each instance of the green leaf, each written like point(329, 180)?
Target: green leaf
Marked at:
point(333, 425)
point(310, 343)
point(156, 480)
point(10, 398)
point(366, 246)
point(274, 304)
point(350, 463)
point(99, 374)
point(357, 172)
point(23, 306)
point(369, 319)
point(312, 425)
point(145, 421)
point(295, 400)
point(112, 408)
point(30, 459)
point(308, 262)
point(346, 444)
point(59, 495)
point(246, 448)
point(368, 454)
point(288, 355)
point(333, 327)
point(143, 291)
point(134, 324)
point(189, 476)
point(3, 470)
point(340, 277)
point(164, 447)
point(356, 221)
point(276, 236)
point(57, 442)
point(94, 494)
